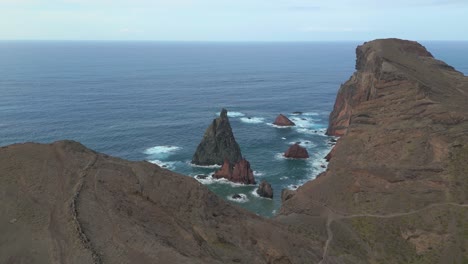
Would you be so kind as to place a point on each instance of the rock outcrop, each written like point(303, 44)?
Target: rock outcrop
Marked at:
point(296, 151)
point(218, 143)
point(64, 203)
point(240, 172)
point(395, 190)
point(282, 120)
point(265, 190)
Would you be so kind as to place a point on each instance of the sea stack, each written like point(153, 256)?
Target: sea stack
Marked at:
point(282, 120)
point(218, 144)
point(239, 172)
point(296, 152)
point(265, 190)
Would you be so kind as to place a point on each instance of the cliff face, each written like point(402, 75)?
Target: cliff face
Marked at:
point(63, 203)
point(218, 143)
point(374, 72)
point(396, 188)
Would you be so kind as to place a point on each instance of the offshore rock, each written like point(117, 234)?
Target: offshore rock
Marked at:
point(282, 120)
point(218, 143)
point(265, 190)
point(239, 172)
point(296, 151)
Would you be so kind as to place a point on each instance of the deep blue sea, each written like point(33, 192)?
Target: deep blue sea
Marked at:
point(154, 100)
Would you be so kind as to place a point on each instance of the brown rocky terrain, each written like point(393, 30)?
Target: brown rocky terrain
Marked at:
point(396, 188)
point(63, 203)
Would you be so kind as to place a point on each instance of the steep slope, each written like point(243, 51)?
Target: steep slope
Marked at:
point(63, 203)
point(218, 143)
point(396, 188)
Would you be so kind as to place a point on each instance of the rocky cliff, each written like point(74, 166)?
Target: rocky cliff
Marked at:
point(396, 188)
point(63, 203)
point(218, 143)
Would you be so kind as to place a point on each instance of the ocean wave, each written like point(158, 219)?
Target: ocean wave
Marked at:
point(275, 126)
point(313, 131)
point(254, 193)
point(311, 114)
point(302, 122)
point(211, 180)
point(252, 120)
point(243, 198)
point(258, 173)
point(304, 143)
point(170, 165)
point(215, 166)
point(161, 152)
point(232, 114)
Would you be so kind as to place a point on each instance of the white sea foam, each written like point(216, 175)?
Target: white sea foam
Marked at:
point(252, 120)
point(258, 173)
point(303, 122)
point(313, 131)
point(283, 138)
point(232, 114)
point(275, 126)
point(311, 114)
point(161, 152)
point(215, 166)
point(284, 178)
point(243, 198)
point(254, 193)
point(211, 180)
point(304, 143)
point(293, 186)
point(170, 165)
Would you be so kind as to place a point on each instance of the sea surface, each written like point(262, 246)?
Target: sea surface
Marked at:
point(153, 101)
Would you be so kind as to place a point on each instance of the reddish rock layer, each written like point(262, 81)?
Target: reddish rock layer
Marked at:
point(396, 187)
point(296, 152)
point(282, 120)
point(239, 173)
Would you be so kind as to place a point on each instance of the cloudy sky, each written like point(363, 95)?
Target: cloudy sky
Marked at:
point(233, 20)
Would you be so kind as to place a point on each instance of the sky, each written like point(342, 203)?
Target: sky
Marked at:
point(233, 20)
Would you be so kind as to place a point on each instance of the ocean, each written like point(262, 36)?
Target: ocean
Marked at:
point(153, 101)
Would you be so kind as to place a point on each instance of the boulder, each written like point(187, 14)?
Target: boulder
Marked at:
point(287, 194)
point(218, 143)
point(282, 120)
point(265, 190)
point(240, 172)
point(296, 152)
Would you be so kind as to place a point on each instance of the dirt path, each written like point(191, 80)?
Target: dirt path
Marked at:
point(335, 215)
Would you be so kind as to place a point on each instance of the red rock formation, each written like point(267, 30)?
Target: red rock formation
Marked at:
point(239, 173)
point(282, 120)
point(373, 72)
point(225, 171)
point(296, 152)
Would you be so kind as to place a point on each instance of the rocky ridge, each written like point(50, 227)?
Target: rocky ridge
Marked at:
point(396, 187)
point(64, 203)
